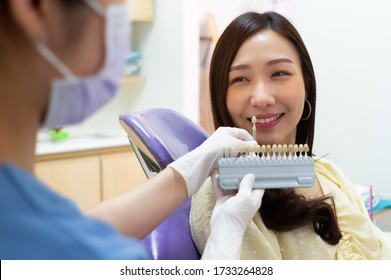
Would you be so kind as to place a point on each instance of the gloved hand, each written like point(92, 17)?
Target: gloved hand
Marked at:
point(196, 165)
point(230, 218)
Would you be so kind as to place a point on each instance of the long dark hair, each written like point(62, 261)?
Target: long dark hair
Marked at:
point(282, 209)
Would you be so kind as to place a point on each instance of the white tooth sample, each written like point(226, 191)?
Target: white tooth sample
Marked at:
point(306, 149)
point(274, 149)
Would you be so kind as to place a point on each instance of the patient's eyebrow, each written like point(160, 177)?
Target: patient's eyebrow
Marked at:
point(269, 63)
point(279, 60)
point(239, 67)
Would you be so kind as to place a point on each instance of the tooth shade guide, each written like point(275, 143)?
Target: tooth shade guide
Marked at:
point(269, 151)
point(275, 166)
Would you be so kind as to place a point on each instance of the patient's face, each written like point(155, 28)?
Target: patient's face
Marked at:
point(266, 81)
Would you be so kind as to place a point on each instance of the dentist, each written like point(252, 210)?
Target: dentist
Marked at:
point(60, 61)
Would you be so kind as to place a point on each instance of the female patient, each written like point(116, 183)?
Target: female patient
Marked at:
point(261, 67)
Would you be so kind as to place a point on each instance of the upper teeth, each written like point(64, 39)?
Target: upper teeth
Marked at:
point(267, 120)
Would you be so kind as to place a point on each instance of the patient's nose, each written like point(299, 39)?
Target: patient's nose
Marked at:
point(262, 97)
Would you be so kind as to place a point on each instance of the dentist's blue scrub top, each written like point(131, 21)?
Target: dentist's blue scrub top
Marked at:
point(37, 223)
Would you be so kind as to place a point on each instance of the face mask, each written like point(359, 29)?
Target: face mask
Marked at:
point(72, 98)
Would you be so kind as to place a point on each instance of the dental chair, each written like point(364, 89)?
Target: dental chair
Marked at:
point(158, 137)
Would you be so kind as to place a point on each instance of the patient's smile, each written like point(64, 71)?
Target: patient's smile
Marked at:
point(269, 119)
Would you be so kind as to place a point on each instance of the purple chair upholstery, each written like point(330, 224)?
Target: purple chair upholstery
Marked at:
point(158, 137)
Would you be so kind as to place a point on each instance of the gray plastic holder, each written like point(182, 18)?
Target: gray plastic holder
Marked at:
point(270, 172)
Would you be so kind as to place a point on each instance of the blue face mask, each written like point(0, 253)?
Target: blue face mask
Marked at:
point(73, 98)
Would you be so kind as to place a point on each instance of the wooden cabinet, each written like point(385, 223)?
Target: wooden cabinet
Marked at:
point(76, 178)
point(90, 177)
point(141, 10)
point(120, 171)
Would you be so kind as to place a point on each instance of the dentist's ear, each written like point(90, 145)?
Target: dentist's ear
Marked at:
point(29, 16)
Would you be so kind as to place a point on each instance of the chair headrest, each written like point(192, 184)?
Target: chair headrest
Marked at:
point(163, 133)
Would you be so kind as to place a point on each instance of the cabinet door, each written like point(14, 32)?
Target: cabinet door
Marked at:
point(141, 10)
point(120, 172)
point(78, 179)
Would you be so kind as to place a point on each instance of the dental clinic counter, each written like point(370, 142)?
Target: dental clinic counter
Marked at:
point(88, 168)
point(79, 144)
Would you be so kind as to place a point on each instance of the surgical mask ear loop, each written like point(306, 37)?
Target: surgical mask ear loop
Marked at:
point(54, 60)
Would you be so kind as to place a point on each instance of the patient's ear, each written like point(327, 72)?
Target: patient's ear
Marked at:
point(29, 16)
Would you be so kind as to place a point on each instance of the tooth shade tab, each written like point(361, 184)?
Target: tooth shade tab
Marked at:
point(268, 150)
point(306, 149)
point(274, 149)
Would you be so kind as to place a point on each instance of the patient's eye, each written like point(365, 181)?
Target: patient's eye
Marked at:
point(280, 74)
point(239, 79)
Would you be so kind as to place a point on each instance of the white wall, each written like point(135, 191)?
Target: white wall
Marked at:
point(161, 46)
point(190, 64)
point(170, 55)
point(350, 44)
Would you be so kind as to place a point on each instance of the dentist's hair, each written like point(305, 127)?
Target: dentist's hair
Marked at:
point(281, 209)
point(6, 17)
point(5, 6)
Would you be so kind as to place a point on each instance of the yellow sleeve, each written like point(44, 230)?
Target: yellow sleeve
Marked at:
point(334, 174)
point(361, 239)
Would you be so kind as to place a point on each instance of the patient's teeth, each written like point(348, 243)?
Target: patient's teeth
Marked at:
point(268, 120)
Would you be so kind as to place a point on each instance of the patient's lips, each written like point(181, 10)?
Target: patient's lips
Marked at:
point(267, 121)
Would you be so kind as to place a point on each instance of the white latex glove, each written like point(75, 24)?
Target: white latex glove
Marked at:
point(196, 165)
point(230, 218)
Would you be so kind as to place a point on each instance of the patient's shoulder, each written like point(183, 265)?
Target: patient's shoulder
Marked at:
point(202, 204)
point(205, 196)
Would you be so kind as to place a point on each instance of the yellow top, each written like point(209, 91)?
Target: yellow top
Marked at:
point(361, 239)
